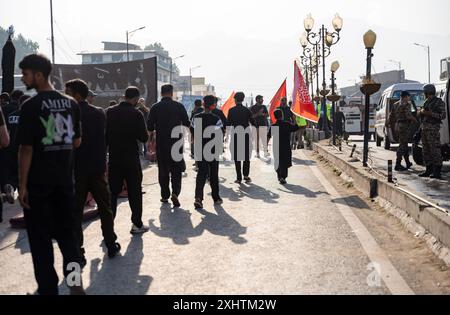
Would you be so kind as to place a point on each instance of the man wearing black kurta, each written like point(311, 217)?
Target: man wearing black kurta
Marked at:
point(125, 127)
point(164, 117)
point(240, 117)
point(282, 145)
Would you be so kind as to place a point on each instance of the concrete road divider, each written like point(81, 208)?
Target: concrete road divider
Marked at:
point(432, 220)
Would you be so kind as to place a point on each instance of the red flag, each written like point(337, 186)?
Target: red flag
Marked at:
point(276, 102)
point(303, 105)
point(229, 104)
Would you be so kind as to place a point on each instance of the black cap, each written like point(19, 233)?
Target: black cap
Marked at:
point(429, 89)
point(405, 94)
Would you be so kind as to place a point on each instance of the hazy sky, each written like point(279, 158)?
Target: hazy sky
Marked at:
point(247, 45)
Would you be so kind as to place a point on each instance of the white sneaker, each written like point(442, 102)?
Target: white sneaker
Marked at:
point(135, 230)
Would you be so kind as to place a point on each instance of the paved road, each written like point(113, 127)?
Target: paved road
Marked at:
point(312, 236)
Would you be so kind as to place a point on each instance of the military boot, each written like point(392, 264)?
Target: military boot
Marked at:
point(399, 167)
point(436, 172)
point(408, 162)
point(427, 172)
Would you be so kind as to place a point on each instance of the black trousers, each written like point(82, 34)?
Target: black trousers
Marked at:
point(131, 173)
point(282, 172)
point(98, 187)
point(170, 172)
point(50, 217)
point(205, 169)
point(3, 172)
point(239, 170)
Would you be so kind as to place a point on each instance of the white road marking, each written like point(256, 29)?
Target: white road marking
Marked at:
point(391, 277)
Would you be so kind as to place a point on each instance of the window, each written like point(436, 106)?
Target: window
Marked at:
point(97, 58)
point(416, 96)
point(117, 57)
point(444, 69)
point(138, 56)
point(380, 105)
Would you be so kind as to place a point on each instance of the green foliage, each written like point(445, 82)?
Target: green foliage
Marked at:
point(23, 46)
point(158, 47)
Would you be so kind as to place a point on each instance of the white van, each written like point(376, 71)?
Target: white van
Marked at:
point(390, 96)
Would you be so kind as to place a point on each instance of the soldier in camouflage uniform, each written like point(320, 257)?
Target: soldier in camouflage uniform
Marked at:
point(404, 118)
point(432, 114)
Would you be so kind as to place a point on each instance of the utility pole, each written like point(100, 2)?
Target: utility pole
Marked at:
point(427, 48)
point(53, 37)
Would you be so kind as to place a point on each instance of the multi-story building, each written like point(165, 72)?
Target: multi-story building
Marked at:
point(188, 89)
point(385, 78)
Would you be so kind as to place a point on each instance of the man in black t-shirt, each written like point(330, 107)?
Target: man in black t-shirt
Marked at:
point(260, 115)
point(90, 168)
point(49, 130)
point(207, 165)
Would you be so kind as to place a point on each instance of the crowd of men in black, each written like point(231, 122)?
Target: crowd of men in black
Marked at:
point(62, 147)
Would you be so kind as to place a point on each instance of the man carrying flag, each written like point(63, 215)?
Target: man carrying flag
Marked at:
point(277, 101)
point(282, 144)
point(229, 104)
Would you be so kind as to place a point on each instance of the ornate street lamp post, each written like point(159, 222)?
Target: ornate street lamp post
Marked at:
point(368, 88)
point(309, 62)
point(334, 97)
point(322, 42)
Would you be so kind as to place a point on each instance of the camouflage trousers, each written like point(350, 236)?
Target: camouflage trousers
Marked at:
point(403, 139)
point(431, 140)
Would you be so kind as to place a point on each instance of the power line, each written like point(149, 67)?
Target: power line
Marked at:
point(66, 55)
point(65, 38)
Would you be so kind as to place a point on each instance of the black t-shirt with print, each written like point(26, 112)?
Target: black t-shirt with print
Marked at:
point(49, 122)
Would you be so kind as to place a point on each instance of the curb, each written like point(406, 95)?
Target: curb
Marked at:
point(432, 220)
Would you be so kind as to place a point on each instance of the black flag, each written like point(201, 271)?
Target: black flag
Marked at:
point(8, 64)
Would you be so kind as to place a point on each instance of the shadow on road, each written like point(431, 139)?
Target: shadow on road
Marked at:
point(120, 275)
point(256, 192)
point(297, 161)
point(175, 224)
point(222, 224)
point(352, 201)
point(300, 190)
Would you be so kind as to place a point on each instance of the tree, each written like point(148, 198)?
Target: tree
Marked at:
point(158, 47)
point(23, 46)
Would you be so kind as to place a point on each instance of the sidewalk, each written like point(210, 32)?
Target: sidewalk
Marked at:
point(437, 191)
point(400, 199)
